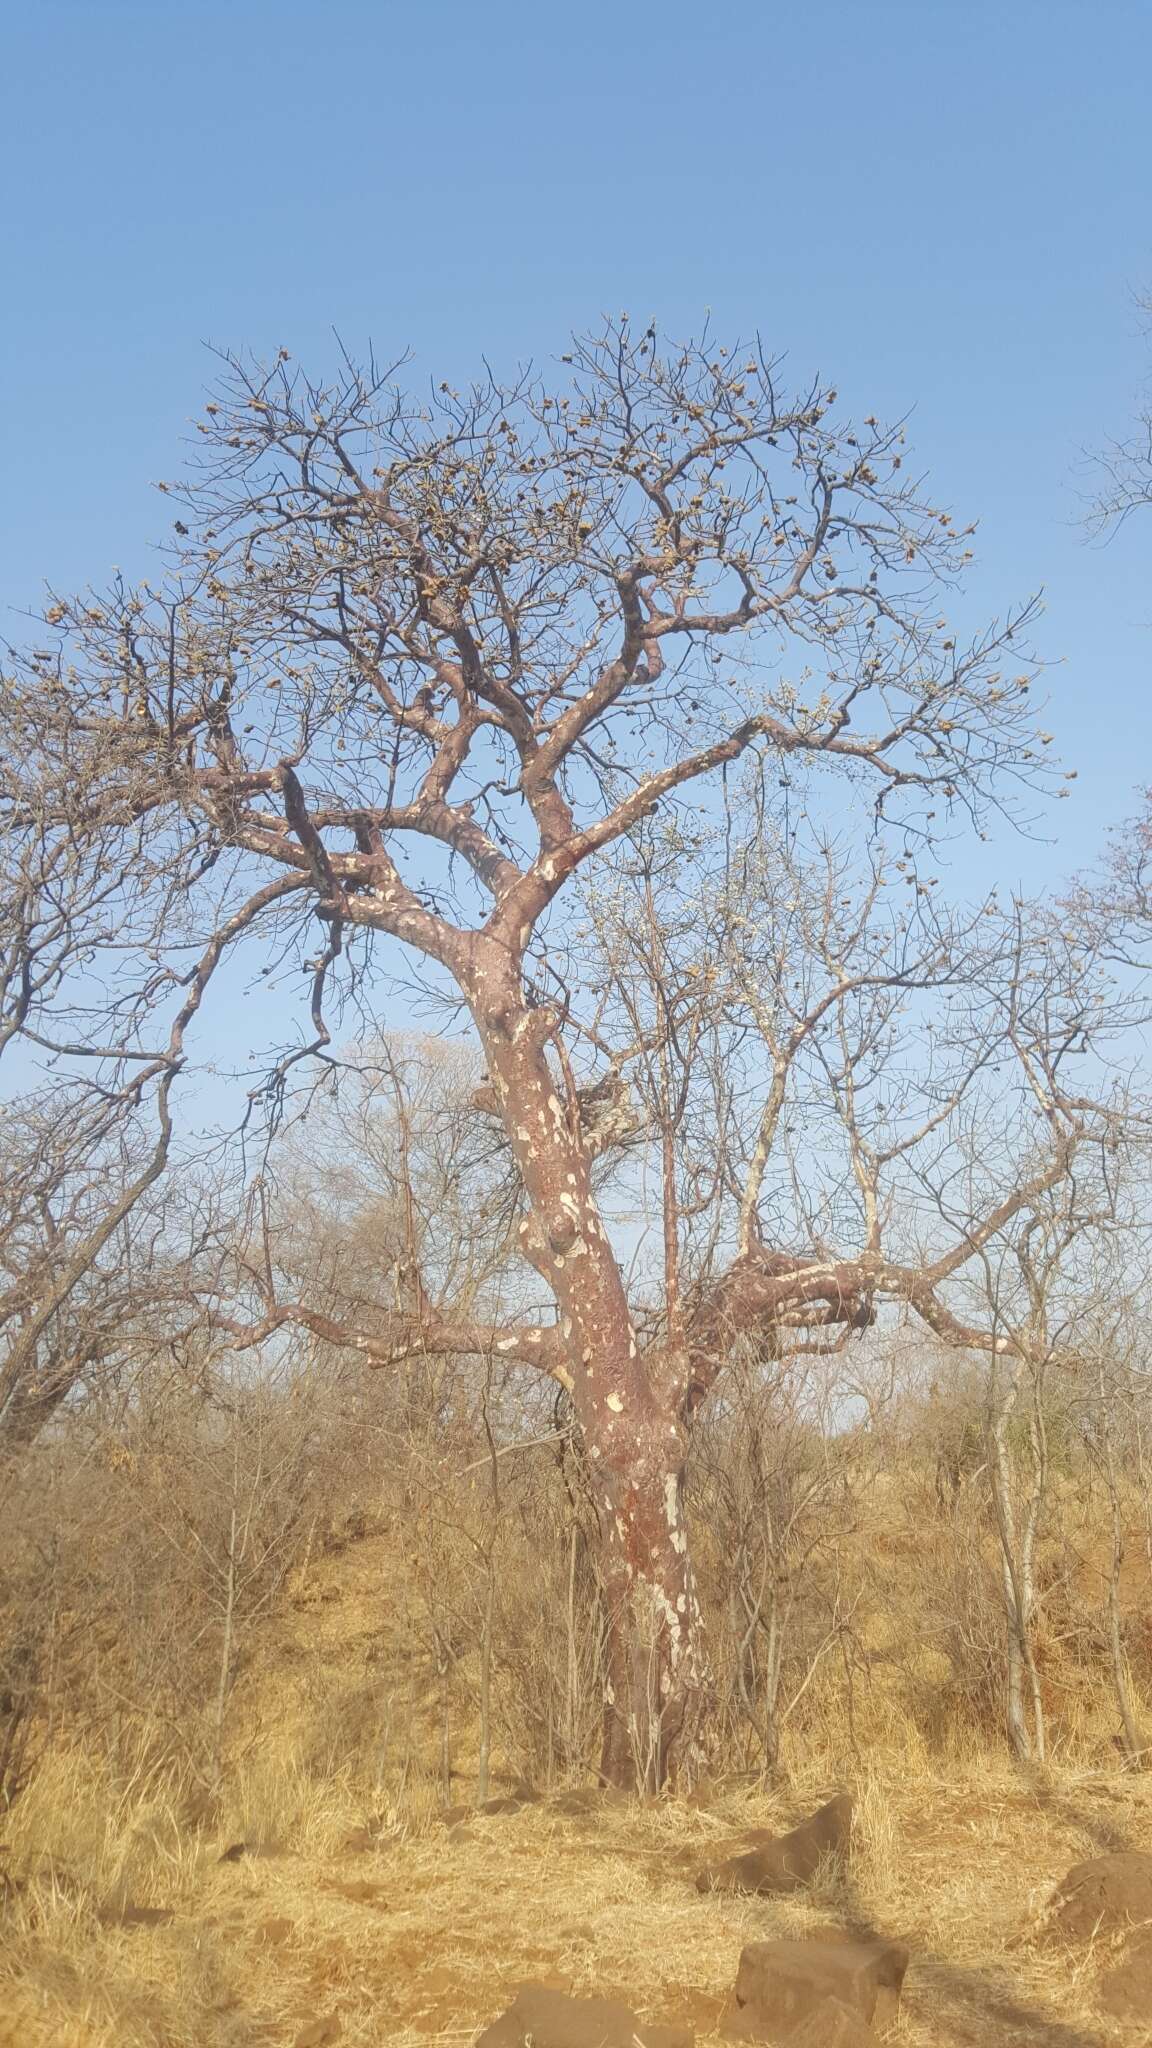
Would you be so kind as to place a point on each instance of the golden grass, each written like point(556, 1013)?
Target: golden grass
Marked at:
point(424, 1938)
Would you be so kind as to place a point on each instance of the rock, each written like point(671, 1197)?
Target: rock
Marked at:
point(1126, 1991)
point(541, 2018)
point(832, 2025)
point(783, 1863)
point(782, 1985)
point(1103, 1895)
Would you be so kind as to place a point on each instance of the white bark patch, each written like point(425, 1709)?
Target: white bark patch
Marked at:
point(615, 1404)
point(672, 1514)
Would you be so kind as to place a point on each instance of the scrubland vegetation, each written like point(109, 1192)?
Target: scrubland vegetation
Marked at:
point(456, 1477)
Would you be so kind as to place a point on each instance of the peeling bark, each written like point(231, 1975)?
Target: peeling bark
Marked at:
point(627, 1407)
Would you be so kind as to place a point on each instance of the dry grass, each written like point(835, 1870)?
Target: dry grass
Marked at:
point(424, 1937)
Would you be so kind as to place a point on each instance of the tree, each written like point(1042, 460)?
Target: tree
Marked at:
point(415, 669)
point(94, 1026)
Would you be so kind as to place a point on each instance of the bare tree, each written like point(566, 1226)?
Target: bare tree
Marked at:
point(93, 1029)
point(414, 669)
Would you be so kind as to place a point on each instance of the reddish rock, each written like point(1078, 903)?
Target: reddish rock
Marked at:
point(1126, 1991)
point(784, 1863)
point(542, 2018)
point(1103, 1895)
point(783, 1985)
point(831, 2025)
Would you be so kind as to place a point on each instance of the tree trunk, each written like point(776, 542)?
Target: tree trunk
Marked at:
point(627, 1405)
point(1024, 1706)
point(657, 1669)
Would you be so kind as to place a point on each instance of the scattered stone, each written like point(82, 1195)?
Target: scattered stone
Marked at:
point(832, 2025)
point(276, 1931)
point(782, 1985)
point(127, 1915)
point(319, 2033)
point(1126, 1991)
point(784, 1863)
point(1103, 1895)
point(542, 2018)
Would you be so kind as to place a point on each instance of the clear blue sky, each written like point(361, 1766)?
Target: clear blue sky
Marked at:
point(943, 208)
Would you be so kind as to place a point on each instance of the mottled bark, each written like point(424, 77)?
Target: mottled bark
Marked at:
point(627, 1407)
point(658, 1670)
